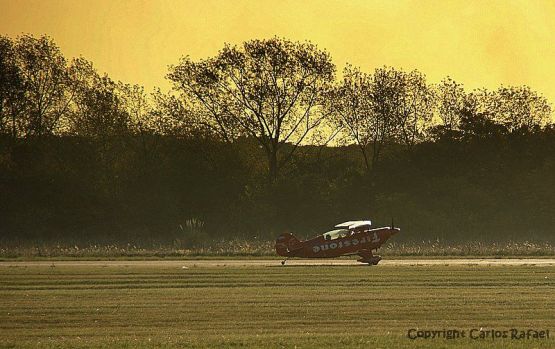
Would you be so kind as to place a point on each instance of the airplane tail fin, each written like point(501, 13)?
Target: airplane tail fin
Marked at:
point(286, 243)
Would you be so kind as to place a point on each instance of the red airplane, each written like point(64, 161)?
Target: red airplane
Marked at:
point(353, 237)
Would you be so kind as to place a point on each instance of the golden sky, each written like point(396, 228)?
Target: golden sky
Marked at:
point(480, 43)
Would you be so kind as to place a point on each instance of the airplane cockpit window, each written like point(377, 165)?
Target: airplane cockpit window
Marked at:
point(336, 234)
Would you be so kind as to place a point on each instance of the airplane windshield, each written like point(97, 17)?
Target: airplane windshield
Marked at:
point(336, 234)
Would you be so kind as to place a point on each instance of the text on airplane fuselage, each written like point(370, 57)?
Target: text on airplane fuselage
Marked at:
point(346, 243)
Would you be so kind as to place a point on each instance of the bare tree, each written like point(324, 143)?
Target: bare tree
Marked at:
point(270, 90)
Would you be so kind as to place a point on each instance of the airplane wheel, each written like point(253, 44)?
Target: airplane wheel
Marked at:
point(283, 262)
point(372, 261)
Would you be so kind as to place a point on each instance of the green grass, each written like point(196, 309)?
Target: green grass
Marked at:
point(306, 307)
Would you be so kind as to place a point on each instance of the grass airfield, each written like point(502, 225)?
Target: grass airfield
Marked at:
point(170, 305)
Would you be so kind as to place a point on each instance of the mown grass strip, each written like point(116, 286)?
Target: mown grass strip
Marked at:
point(128, 307)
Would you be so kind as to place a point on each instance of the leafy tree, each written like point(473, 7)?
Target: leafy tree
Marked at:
point(415, 108)
point(387, 91)
point(97, 110)
point(450, 101)
point(11, 88)
point(270, 90)
point(377, 109)
point(45, 80)
point(351, 106)
point(171, 115)
point(518, 107)
point(136, 104)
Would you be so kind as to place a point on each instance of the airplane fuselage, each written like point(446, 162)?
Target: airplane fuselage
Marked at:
point(319, 247)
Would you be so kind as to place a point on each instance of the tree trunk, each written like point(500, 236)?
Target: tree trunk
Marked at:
point(272, 165)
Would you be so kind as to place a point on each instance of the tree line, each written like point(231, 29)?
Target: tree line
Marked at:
point(263, 136)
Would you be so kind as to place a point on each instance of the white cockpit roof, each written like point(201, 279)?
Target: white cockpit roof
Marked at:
point(354, 224)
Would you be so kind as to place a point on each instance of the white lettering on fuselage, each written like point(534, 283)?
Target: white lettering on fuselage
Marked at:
point(346, 243)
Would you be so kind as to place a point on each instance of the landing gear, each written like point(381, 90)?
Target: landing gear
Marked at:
point(368, 257)
point(283, 261)
point(375, 260)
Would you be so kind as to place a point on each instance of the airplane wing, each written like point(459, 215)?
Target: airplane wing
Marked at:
point(354, 224)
